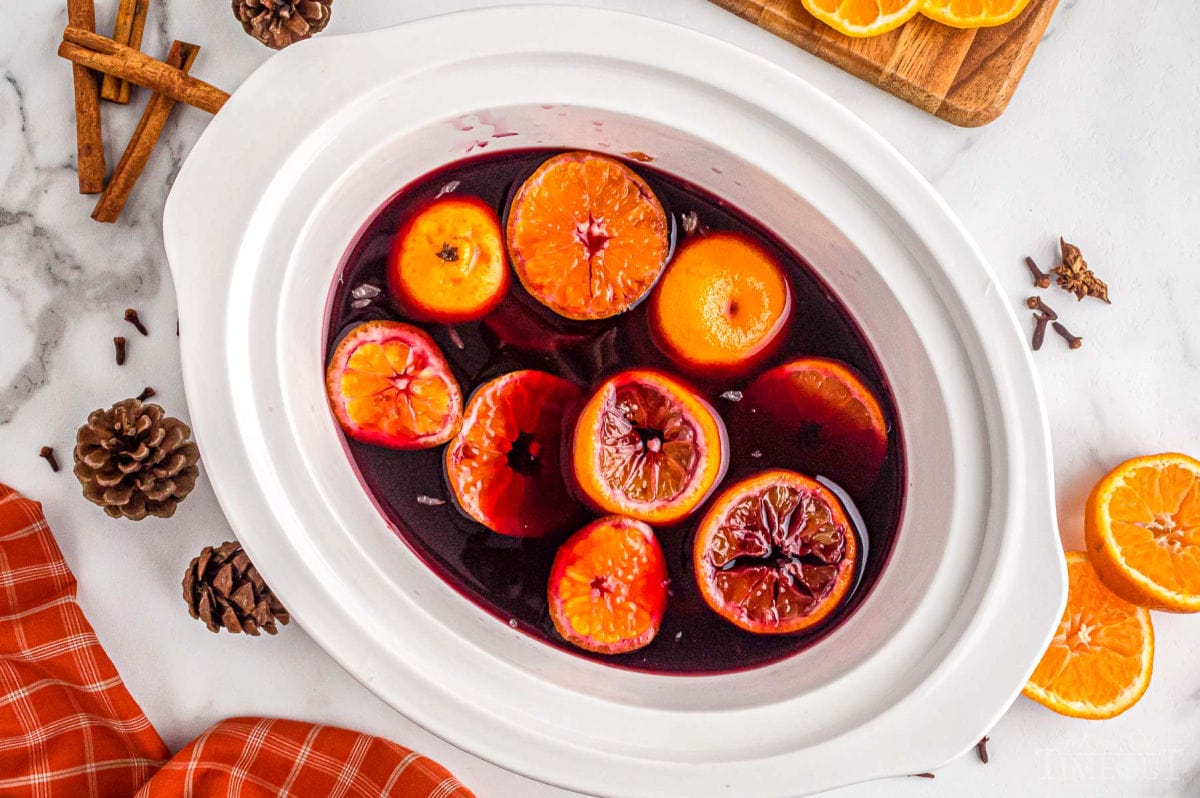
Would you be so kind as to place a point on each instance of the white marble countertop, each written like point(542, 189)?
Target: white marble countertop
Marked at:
point(1099, 145)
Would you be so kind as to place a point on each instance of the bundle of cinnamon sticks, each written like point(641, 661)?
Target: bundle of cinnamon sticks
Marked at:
point(107, 67)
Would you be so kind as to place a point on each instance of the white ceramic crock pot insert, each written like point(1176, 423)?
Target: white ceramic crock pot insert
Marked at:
point(255, 234)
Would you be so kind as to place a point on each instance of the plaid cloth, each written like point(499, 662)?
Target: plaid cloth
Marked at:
point(69, 728)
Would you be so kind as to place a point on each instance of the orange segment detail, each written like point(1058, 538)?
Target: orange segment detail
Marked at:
point(647, 446)
point(448, 263)
point(587, 237)
point(608, 586)
point(1143, 530)
point(861, 18)
point(1099, 662)
point(973, 13)
point(721, 304)
point(389, 385)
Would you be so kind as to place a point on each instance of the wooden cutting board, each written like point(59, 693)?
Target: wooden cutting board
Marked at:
point(963, 76)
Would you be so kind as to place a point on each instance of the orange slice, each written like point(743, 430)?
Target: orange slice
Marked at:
point(448, 263)
point(821, 414)
point(973, 13)
point(389, 385)
point(503, 466)
point(860, 18)
point(649, 447)
point(1142, 529)
point(1099, 662)
point(721, 305)
point(587, 237)
point(608, 588)
point(775, 554)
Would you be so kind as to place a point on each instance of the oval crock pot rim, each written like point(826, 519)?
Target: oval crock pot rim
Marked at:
point(1038, 507)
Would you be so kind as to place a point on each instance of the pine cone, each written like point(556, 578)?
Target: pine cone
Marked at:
point(134, 460)
point(224, 589)
point(278, 23)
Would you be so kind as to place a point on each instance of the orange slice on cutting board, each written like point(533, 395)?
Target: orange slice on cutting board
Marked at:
point(973, 13)
point(1099, 662)
point(1142, 529)
point(861, 18)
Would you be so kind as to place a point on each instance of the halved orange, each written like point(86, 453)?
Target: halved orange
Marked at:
point(721, 305)
point(1099, 662)
point(503, 467)
point(448, 263)
point(860, 18)
point(587, 237)
point(775, 553)
point(820, 413)
point(608, 586)
point(389, 385)
point(973, 13)
point(648, 446)
point(1142, 529)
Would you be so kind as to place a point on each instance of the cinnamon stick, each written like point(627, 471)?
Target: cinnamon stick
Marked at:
point(145, 137)
point(88, 141)
point(128, 29)
point(113, 58)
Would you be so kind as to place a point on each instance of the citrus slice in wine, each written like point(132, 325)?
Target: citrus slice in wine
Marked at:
point(721, 305)
point(389, 385)
point(448, 263)
point(775, 554)
point(608, 586)
point(503, 466)
point(647, 446)
point(820, 413)
point(587, 236)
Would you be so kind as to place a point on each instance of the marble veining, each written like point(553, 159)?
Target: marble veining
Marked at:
point(1099, 145)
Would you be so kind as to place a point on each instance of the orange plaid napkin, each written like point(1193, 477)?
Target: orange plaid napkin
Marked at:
point(69, 728)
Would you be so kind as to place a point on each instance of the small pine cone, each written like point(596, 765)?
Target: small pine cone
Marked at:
point(224, 589)
point(278, 23)
point(134, 460)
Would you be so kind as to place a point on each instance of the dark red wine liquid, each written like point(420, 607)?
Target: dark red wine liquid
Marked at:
point(507, 576)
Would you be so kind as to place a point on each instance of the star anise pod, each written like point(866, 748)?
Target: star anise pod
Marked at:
point(1075, 277)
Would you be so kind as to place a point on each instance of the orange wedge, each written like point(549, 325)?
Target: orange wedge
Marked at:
point(1142, 529)
point(861, 18)
point(1099, 662)
point(973, 13)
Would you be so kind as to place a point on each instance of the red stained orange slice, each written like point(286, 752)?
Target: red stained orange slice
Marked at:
point(647, 446)
point(389, 385)
point(821, 412)
point(775, 554)
point(587, 237)
point(608, 586)
point(721, 305)
point(503, 467)
point(448, 263)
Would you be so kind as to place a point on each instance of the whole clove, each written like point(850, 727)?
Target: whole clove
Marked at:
point(146, 393)
point(1039, 330)
point(119, 346)
point(1073, 341)
point(1036, 303)
point(1040, 278)
point(47, 454)
point(981, 749)
point(131, 316)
